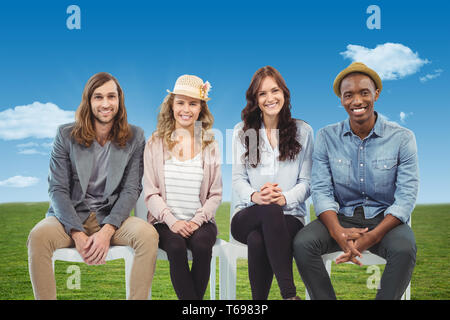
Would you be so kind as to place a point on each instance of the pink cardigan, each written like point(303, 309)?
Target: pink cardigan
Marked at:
point(155, 154)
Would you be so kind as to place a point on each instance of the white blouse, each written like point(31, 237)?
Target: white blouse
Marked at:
point(293, 177)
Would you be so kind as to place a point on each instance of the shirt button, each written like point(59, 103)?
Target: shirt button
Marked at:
point(385, 166)
point(362, 179)
point(361, 148)
point(362, 165)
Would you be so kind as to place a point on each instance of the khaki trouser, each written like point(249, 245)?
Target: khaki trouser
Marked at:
point(49, 235)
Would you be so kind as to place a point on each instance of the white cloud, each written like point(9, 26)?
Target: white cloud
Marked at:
point(431, 76)
point(392, 61)
point(19, 182)
point(35, 148)
point(404, 115)
point(32, 151)
point(36, 120)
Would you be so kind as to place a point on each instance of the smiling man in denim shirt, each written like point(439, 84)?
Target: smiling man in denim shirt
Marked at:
point(364, 188)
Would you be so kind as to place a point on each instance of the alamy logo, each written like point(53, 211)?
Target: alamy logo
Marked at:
point(374, 20)
point(373, 281)
point(74, 280)
point(74, 20)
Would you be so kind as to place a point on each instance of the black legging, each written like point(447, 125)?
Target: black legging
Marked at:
point(268, 233)
point(188, 285)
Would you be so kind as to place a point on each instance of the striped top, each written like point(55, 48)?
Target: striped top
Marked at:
point(183, 180)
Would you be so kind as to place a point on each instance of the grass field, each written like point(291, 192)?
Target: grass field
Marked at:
point(430, 278)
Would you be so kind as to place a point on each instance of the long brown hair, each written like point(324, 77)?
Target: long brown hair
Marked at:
point(84, 132)
point(288, 144)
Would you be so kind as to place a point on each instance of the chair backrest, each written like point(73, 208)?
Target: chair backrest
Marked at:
point(141, 210)
point(232, 204)
point(308, 209)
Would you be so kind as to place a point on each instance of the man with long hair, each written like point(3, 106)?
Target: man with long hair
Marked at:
point(96, 168)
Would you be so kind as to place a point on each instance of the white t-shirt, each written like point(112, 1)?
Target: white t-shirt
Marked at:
point(183, 180)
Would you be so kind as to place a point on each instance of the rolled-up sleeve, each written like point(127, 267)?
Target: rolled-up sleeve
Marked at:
point(321, 179)
point(407, 182)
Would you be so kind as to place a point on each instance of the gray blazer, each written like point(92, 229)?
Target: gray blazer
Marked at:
point(70, 169)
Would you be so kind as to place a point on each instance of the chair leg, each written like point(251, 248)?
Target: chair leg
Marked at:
point(231, 278)
point(212, 280)
point(307, 297)
point(223, 275)
point(328, 267)
point(128, 266)
point(407, 294)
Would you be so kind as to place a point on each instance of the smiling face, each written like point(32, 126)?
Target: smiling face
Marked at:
point(105, 103)
point(358, 96)
point(186, 111)
point(270, 98)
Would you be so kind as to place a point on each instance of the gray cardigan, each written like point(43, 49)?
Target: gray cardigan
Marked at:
point(70, 170)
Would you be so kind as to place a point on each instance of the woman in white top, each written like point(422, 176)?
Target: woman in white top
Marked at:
point(271, 182)
point(183, 185)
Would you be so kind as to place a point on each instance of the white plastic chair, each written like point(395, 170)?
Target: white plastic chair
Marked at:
point(218, 251)
point(368, 259)
point(115, 252)
point(237, 250)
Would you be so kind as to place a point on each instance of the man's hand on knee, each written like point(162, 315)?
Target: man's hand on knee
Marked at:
point(97, 245)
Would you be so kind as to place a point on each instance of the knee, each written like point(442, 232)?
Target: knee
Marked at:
point(404, 250)
point(302, 245)
point(145, 234)
point(40, 235)
point(175, 247)
point(255, 240)
point(273, 212)
point(202, 245)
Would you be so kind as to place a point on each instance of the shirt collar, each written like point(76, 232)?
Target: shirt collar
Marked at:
point(377, 128)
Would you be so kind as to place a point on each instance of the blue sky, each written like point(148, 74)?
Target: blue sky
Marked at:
point(147, 45)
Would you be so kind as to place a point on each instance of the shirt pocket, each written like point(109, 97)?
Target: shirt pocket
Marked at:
point(340, 168)
point(385, 176)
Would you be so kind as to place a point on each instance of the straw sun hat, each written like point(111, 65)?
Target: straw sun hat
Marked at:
point(356, 67)
point(191, 86)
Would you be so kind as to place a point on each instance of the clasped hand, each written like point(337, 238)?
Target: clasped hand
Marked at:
point(269, 193)
point(94, 249)
point(184, 228)
point(353, 241)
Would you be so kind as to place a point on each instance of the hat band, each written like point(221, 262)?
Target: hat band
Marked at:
point(189, 91)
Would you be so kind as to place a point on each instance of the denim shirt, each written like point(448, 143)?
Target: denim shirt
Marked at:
point(293, 177)
point(379, 173)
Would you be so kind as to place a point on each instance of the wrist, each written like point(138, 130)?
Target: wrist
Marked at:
point(76, 234)
point(374, 236)
point(336, 230)
point(109, 229)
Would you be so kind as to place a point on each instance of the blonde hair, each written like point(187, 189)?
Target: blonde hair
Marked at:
point(166, 123)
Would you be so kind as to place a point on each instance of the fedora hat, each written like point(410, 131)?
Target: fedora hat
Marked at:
point(191, 86)
point(356, 67)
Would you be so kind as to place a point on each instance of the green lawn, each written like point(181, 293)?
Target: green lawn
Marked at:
point(430, 279)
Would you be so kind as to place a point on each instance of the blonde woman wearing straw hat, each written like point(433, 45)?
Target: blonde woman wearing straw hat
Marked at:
point(183, 184)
